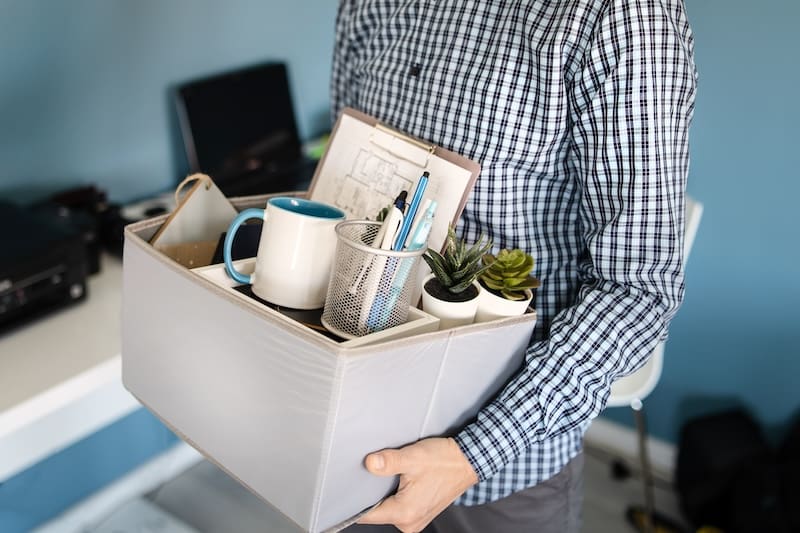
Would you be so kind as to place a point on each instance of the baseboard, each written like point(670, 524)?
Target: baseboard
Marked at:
point(621, 442)
point(91, 511)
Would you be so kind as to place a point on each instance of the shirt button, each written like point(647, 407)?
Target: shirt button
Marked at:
point(415, 70)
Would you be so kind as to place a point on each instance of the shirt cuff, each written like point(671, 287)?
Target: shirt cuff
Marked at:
point(493, 440)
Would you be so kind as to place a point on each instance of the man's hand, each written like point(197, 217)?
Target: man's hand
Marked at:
point(433, 472)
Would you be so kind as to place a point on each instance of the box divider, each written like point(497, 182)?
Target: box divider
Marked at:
point(327, 445)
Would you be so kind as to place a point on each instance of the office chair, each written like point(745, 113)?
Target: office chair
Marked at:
point(632, 389)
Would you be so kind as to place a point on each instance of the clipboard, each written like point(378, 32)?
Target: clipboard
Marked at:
point(190, 234)
point(366, 164)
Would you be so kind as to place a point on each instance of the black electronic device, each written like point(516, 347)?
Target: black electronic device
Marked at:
point(82, 221)
point(43, 265)
point(86, 209)
point(239, 128)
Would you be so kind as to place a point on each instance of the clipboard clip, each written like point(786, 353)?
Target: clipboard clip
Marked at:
point(402, 146)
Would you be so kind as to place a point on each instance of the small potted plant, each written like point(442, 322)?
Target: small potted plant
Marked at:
point(451, 291)
point(507, 285)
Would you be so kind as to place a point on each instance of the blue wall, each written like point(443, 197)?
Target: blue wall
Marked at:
point(83, 99)
point(83, 84)
point(736, 341)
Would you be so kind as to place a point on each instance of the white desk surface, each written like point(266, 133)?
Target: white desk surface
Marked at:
point(60, 375)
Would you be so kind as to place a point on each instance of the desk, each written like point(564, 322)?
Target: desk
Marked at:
point(60, 375)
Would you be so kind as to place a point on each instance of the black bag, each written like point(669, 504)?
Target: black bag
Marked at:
point(789, 458)
point(711, 453)
point(755, 504)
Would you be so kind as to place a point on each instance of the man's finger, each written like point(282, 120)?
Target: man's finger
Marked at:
point(389, 512)
point(387, 462)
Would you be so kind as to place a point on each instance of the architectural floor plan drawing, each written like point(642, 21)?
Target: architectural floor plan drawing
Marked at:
point(365, 167)
point(372, 183)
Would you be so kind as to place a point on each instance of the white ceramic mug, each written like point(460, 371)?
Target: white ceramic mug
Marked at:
point(295, 253)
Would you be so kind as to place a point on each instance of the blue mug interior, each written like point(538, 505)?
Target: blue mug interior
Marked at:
point(310, 208)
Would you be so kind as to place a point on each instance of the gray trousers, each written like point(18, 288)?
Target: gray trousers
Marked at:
point(553, 506)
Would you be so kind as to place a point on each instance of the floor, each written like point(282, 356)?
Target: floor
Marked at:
point(207, 500)
point(606, 498)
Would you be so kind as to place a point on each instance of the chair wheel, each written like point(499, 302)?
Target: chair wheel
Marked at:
point(661, 524)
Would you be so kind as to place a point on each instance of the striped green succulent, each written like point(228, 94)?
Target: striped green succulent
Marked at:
point(459, 265)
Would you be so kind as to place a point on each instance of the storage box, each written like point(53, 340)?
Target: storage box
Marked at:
point(284, 409)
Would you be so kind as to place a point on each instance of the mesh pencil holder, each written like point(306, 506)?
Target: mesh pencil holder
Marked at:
point(369, 288)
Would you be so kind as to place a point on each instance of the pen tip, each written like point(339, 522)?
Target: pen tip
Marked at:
point(426, 174)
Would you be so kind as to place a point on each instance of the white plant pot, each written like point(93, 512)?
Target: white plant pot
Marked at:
point(450, 314)
point(491, 306)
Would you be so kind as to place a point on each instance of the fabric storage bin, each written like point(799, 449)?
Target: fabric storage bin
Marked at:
point(284, 409)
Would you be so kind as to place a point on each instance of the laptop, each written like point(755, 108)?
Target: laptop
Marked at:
point(239, 128)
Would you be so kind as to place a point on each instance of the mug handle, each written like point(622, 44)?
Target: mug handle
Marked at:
point(226, 248)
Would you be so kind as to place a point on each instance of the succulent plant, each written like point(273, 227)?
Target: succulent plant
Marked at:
point(459, 265)
point(508, 273)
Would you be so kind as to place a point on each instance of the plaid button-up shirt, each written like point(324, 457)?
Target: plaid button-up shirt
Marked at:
point(578, 112)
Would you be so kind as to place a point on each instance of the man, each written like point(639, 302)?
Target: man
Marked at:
point(578, 112)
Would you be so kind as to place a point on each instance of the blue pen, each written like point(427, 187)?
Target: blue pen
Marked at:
point(412, 211)
point(379, 311)
point(419, 239)
point(421, 230)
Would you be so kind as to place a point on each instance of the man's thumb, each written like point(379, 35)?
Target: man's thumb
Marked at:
point(384, 463)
